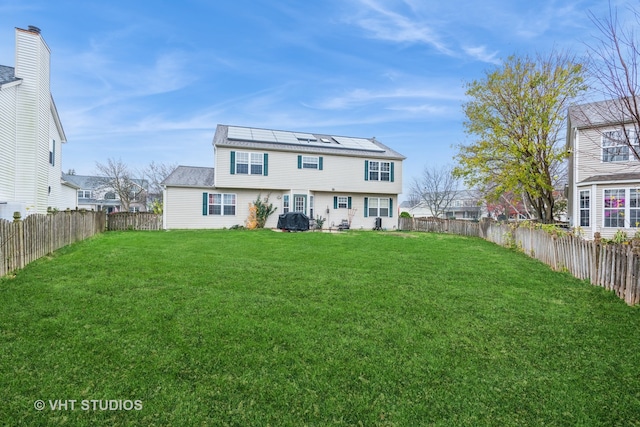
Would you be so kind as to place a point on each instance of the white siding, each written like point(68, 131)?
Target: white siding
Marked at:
point(183, 208)
point(587, 162)
point(588, 152)
point(33, 108)
point(7, 143)
point(339, 173)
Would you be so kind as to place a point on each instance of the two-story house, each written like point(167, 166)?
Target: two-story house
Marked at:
point(31, 134)
point(604, 173)
point(334, 177)
point(95, 193)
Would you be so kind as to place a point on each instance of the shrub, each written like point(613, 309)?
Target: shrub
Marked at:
point(259, 211)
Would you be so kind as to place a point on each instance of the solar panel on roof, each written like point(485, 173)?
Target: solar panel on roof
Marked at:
point(285, 137)
point(300, 138)
point(239, 133)
point(357, 143)
point(263, 135)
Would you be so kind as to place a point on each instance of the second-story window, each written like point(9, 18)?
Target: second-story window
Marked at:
point(615, 146)
point(310, 162)
point(245, 163)
point(52, 152)
point(378, 171)
point(84, 194)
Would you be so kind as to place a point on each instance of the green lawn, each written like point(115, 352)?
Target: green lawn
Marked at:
point(290, 329)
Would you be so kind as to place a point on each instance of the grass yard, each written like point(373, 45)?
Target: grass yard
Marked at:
point(260, 328)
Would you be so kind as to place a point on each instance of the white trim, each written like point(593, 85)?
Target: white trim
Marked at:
point(10, 84)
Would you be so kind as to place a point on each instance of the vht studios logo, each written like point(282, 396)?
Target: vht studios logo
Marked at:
point(88, 405)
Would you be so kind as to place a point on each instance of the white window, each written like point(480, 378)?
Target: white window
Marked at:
point(249, 163)
point(310, 206)
point(614, 208)
point(378, 207)
point(615, 146)
point(343, 202)
point(585, 205)
point(379, 171)
point(309, 162)
point(256, 163)
point(84, 194)
point(52, 152)
point(222, 204)
point(634, 208)
point(285, 203)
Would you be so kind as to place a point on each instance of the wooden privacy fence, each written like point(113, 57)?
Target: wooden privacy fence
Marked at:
point(615, 267)
point(23, 241)
point(134, 221)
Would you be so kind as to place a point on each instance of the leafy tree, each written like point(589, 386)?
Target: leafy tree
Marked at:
point(516, 114)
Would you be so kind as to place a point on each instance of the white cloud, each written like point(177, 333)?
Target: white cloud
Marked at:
point(386, 24)
point(359, 97)
point(480, 53)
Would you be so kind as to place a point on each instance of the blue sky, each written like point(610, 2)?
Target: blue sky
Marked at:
point(149, 80)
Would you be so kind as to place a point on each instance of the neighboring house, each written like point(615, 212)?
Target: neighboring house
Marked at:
point(604, 175)
point(31, 134)
point(465, 205)
point(333, 177)
point(94, 194)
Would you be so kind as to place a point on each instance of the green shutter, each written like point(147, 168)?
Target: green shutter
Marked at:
point(233, 162)
point(349, 202)
point(366, 170)
point(53, 159)
point(335, 202)
point(366, 207)
point(320, 162)
point(265, 167)
point(391, 202)
point(299, 162)
point(205, 204)
point(392, 171)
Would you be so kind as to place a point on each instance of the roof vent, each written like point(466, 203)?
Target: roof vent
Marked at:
point(34, 29)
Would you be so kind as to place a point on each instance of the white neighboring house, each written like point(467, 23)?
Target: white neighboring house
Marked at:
point(93, 195)
point(31, 134)
point(465, 205)
point(333, 177)
point(604, 175)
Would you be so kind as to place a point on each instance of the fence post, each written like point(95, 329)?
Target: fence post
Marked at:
point(631, 290)
point(20, 250)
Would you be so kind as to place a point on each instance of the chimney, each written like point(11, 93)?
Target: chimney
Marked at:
point(34, 29)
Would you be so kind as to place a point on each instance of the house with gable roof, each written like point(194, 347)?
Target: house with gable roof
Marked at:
point(31, 133)
point(604, 172)
point(95, 193)
point(332, 177)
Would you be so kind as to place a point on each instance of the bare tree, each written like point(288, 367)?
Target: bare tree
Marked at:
point(437, 188)
point(154, 174)
point(115, 175)
point(614, 63)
